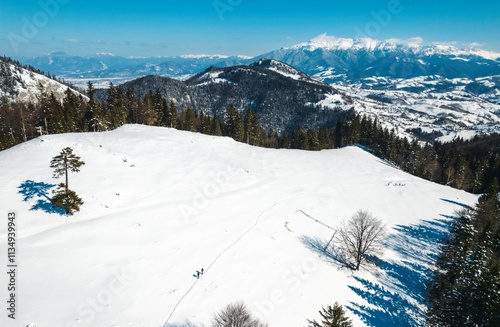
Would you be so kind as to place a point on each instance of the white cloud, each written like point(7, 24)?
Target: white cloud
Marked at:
point(72, 41)
point(413, 41)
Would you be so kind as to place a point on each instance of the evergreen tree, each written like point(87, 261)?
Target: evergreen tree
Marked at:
point(172, 122)
point(52, 115)
point(132, 106)
point(116, 106)
point(252, 128)
point(64, 197)
point(158, 108)
point(300, 139)
point(466, 288)
point(285, 141)
point(216, 128)
point(312, 140)
point(323, 139)
point(332, 316)
point(70, 111)
point(91, 107)
point(235, 124)
point(189, 120)
point(149, 115)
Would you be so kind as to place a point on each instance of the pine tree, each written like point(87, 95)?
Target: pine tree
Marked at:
point(116, 106)
point(323, 139)
point(312, 140)
point(216, 128)
point(332, 317)
point(149, 116)
point(300, 139)
point(172, 114)
point(132, 106)
point(235, 124)
point(252, 128)
point(285, 141)
point(70, 110)
point(466, 288)
point(158, 107)
point(64, 197)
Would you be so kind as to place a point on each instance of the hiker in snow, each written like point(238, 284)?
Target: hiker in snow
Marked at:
point(202, 271)
point(197, 274)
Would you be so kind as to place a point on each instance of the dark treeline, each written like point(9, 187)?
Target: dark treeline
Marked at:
point(465, 290)
point(470, 165)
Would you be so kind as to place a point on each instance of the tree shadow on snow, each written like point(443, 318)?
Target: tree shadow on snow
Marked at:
point(463, 205)
point(399, 297)
point(319, 246)
point(30, 189)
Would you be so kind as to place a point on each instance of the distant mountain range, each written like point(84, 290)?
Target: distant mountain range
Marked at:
point(348, 60)
point(428, 91)
point(104, 68)
point(326, 58)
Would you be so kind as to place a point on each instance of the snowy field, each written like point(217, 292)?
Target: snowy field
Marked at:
point(161, 204)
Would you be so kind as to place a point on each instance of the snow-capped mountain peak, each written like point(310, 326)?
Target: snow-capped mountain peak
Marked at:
point(283, 69)
point(414, 45)
point(324, 41)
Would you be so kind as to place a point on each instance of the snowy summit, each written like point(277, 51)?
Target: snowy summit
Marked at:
point(414, 45)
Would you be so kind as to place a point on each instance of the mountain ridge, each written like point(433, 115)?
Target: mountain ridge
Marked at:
point(327, 58)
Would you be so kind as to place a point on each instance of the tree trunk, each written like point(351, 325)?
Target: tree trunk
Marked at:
point(66, 193)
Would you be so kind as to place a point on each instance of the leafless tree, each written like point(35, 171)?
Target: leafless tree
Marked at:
point(236, 315)
point(361, 235)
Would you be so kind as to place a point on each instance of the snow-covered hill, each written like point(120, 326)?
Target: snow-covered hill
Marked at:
point(18, 84)
point(161, 203)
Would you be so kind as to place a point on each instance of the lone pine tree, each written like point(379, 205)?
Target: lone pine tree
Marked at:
point(63, 196)
point(332, 317)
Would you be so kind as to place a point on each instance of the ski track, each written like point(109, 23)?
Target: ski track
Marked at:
point(216, 259)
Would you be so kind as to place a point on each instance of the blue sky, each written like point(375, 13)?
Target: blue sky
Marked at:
point(246, 27)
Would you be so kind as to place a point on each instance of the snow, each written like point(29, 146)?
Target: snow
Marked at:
point(162, 203)
point(331, 101)
point(412, 45)
point(465, 134)
point(31, 86)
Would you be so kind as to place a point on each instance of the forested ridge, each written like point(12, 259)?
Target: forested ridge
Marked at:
point(471, 165)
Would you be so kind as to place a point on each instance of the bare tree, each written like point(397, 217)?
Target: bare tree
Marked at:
point(360, 236)
point(236, 315)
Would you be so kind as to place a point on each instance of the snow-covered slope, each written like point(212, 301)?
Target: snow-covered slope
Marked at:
point(162, 203)
point(21, 85)
point(285, 70)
